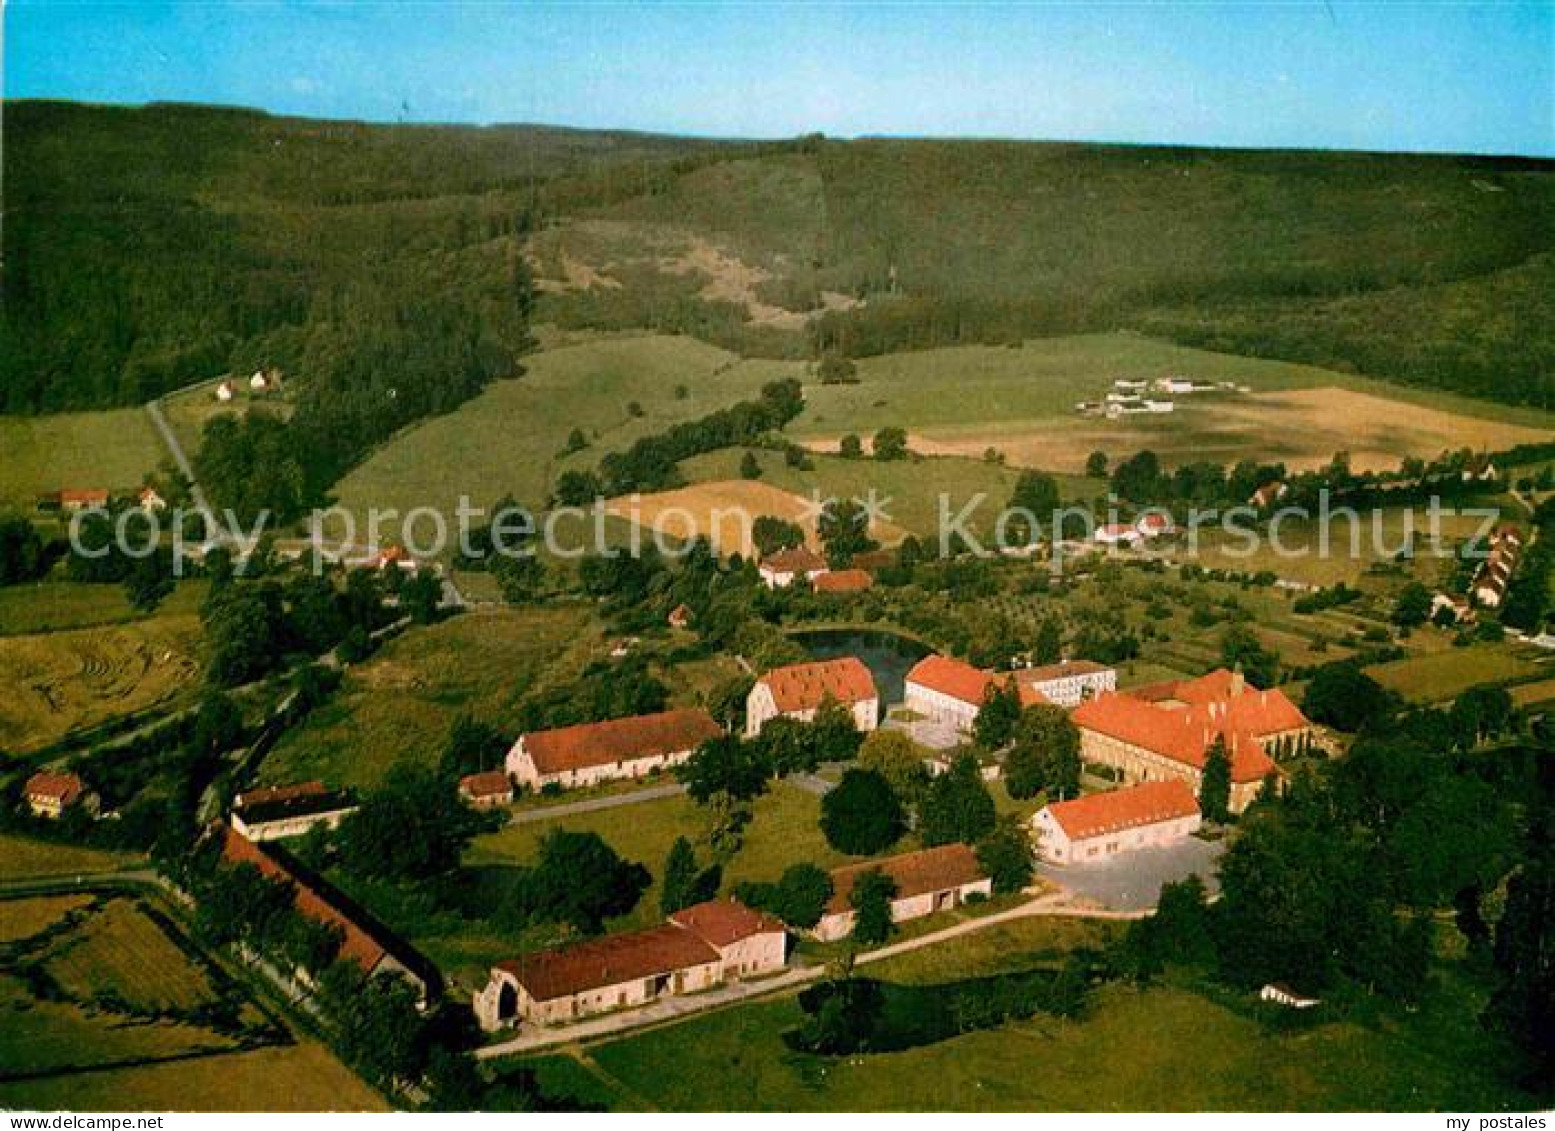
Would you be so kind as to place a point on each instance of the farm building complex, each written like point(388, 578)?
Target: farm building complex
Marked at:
point(699, 948)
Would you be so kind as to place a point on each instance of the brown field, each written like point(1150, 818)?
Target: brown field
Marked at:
point(1532, 694)
point(52, 683)
point(300, 1077)
point(1302, 427)
point(724, 510)
point(23, 918)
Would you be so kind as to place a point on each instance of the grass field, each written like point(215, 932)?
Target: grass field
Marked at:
point(1158, 1049)
point(724, 510)
point(956, 401)
point(302, 1077)
point(114, 449)
point(399, 704)
point(963, 400)
point(49, 606)
point(189, 411)
point(785, 830)
point(66, 1038)
point(1351, 547)
point(53, 683)
point(508, 439)
point(97, 1047)
point(1443, 675)
point(909, 490)
point(23, 859)
point(114, 954)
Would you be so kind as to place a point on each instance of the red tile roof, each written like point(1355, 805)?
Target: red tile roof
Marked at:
point(915, 873)
point(1030, 696)
point(804, 687)
point(722, 922)
point(84, 496)
point(271, 794)
point(952, 677)
point(490, 783)
point(799, 559)
point(1210, 706)
point(619, 740)
point(608, 961)
point(843, 581)
point(356, 944)
point(1146, 804)
point(64, 788)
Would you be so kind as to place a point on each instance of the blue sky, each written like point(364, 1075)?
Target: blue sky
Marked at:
point(1402, 76)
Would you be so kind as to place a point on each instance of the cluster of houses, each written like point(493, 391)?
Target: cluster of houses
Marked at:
point(1487, 589)
point(72, 499)
point(1130, 396)
point(707, 945)
point(260, 382)
point(1148, 527)
point(783, 568)
point(1157, 738)
point(1495, 574)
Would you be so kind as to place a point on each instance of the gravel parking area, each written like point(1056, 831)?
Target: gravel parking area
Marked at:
point(1132, 881)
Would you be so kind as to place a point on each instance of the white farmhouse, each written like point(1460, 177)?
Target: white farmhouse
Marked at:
point(1124, 820)
point(782, 569)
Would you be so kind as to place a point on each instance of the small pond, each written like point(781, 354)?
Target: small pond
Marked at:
point(887, 655)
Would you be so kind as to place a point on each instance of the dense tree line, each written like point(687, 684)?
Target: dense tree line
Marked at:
point(650, 464)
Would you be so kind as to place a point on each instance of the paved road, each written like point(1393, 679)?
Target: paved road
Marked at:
point(214, 531)
point(49, 885)
point(594, 804)
point(671, 1009)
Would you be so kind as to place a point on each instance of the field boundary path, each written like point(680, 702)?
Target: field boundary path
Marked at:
point(595, 804)
point(214, 531)
point(672, 1009)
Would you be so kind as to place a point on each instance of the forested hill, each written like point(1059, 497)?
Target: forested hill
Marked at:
point(146, 248)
